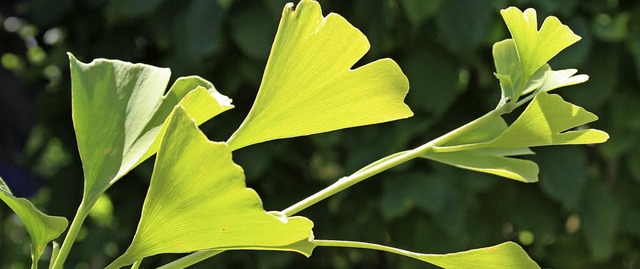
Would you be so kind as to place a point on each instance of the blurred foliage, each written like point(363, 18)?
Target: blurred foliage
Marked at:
point(584, 212)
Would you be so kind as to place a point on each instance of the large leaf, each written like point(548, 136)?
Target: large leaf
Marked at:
point(308, 86)
point(198, 200)
point(507, 255)
point(42, 228)
point(118, 112)
point(535, 48)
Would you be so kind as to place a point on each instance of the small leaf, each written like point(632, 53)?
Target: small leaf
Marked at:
point(506, 255)
point(42, 228)
point(308, 86)
point(508, 70)
point(496, 164)
point(545, 122)
point(118, 112)
point(491, 160)
point(198, 200)
point(535, 48)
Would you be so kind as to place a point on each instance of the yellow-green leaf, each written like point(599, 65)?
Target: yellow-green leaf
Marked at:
point(309, 87)
point(119, 110)
point(507, 255)
point(198, 200)
point(491, 160)
point(41, 227)
point(536, 47)
point(548, 120)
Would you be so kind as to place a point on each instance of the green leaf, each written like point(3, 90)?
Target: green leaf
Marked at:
point(496, 164)
point(564, 170)
point(119, 110)
point(509, 72)
point(546, 121)
point(198, 200)
point(491, 160)
point(535, 48)
point(42, 228)
point(418, 11)
point(507, 255)
point(308, 86)
point(600, 216)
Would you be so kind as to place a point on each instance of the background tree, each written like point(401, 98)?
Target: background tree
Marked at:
point(584, 212)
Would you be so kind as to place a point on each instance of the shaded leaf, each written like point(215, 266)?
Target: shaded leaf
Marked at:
point(418, 10)
point(435, 79)
point(118, 111)
point(535, 48)
point(118, 10)
point(308, 86)
point(600, 217)
point(463, 24)
point(252, 29)
point(41, 227)
point(564, 173)
point(198, 200)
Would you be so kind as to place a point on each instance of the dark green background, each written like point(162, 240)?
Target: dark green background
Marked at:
point(584, 212)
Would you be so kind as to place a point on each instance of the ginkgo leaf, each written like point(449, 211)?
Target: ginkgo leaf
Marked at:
point(41, 227)
point(507, 255)
point(118, 111)
point(491, 160)
point(508, 71)
point(546, 121)
point(536, 47)
point(309, 87)
point(496, 164)
point(561, 78)
point(198, 200)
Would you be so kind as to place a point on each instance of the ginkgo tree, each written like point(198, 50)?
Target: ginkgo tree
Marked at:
point(198, 202)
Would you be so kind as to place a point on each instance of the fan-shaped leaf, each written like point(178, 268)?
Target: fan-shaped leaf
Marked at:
point(118, 111)
point(535, 48)
point(308, 86)
point(491, 160)
point(546, 121)
point(198, 200)
point(42, 228)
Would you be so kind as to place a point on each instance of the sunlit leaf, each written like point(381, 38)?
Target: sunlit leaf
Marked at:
point(119, 109)
point(491, 160)
point(536, 47)
point(198, 200)
point(42, 228)
point(507, 255)
point(500, 165)
point(309, 87)
point(548, 120)
point(508, 71)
